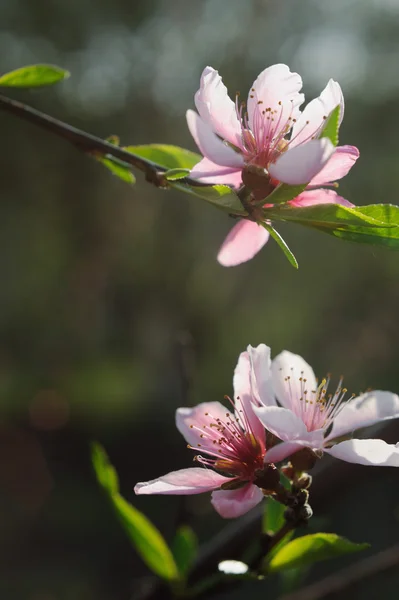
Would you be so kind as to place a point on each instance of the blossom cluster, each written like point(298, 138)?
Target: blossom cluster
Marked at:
point(279, 410)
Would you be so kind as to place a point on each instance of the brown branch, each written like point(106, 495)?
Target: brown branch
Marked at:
point(345, 578)
point(88, 143)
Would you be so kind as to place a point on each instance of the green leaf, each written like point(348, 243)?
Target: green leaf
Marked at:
point(384, 236)
point(331, 127)
point(118, 168)
point(273, 516)
point(221, 196)
point(277, 238)
point(144, 536)
point(310, 549)
point(326, 215)
point(283, 193)
point(184, 548)
point(175, 174)
point(166, 156)
point(33, 76)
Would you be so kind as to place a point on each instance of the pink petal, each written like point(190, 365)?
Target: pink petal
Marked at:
point(193, 422)
point(209, 172)
point(364, 411)
point(289, 392)
point(319, 196)
point(300, 164)
point(282, 451)
point(282, 422)
point(234, 503)
point(216, 108)
point(261, 375)
point(209, 143)
point(375, 453)
point(242, 243)
point(338, 166)
point(276, 88)
point(314, 114)
point(185, 482)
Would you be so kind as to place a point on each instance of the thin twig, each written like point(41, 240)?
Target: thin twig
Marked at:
point(345, 578)
point(88, 143)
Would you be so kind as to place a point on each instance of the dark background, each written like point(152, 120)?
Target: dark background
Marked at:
point(112, 303)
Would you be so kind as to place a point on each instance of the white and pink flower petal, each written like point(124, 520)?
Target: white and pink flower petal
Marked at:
point(283, 423)
point(261, 375)
point(316, 112)
point(375, 453)
point(242, 243)
point(207, 171)
point(368, 409)
point(210, 145)
point(319, 196)
point(198, 424)
point(216, 107)
point(234, 503)
point(274, 100)
point(292, 376)
point(185, 482)
point(282, 451)
point(244, 400)
point(299, 165)
point(337, 166)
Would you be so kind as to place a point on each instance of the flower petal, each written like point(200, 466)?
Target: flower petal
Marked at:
point(244, 400)
point(366, 410)
point(281, 451)
point(209, 172)
point(194, 422)
point(242, 243)
point(276, 88)
point(209, 143)
point(319, 196)
point(338, 166)
point(302, 163)
point(315, 113)
point(290, 372)
point(185, 482)
point(215, 106)
point(234, 503)
point(283, 423)
point(375, 453)
point(261, 375)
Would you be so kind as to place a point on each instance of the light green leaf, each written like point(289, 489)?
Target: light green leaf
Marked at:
point(144, 536)
point(166, 156)
point(175, 174)
point(184, 548)
point(221, 196)
point(277, 238)
point(33, 76)
point(310, 549)
point(384, 236)
point(118, 168)
point(331, 127)
point(273, 516)
point(283, 193)
point(386, 213)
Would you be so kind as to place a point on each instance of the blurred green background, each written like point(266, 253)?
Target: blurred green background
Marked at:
point(113, 309)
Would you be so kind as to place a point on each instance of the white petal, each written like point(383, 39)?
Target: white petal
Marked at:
point(234, 503)
point(215, 106)
point(289, 392)
point(185, 482)
point(282, 451)
point(190, 422)
point(375, 453)
point(261, 375)
point(282, 422)
point(209, 143)
point(209, 172)
point(299, 165)
point(314, 114)
point(366, 410)
point(244, 400)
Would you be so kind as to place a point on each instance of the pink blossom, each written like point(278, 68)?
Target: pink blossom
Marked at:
point(234, 445)
point(297, 408)
point(234, 140)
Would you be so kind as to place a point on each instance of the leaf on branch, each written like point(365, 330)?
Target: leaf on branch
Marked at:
point(221, 196)
point(118, 168)
point(176, 174)
point(273, 516)
point(144, 536)
point(277, 238)
point(283, 193)
point(331, 127)
point(33, 76)
point(310, 549)
point(167, 156)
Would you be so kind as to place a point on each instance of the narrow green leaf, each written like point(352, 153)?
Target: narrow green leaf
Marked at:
point(312, 548)
point(283, 193)
point(33, 76)
point(164, 155)
point(325, 215)
point(184, 548)
point(175, 174)
point(273, 516)
point(221, 196)
point(277, 238)
point(118, 168)
point(331, 127)
point(144, 536)
point(375, 236)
